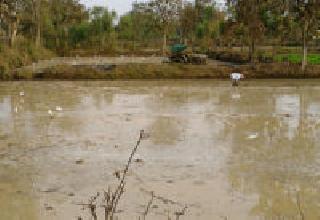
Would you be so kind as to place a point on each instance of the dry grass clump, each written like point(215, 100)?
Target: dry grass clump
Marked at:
point(22, 53)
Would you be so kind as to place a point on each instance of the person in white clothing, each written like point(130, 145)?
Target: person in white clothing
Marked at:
point(235, 77)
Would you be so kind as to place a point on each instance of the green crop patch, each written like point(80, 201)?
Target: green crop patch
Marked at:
point(297, 58)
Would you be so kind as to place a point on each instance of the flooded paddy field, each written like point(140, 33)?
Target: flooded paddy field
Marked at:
point(244, 153)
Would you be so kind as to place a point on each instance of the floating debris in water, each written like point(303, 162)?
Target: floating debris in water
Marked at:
point(51, 189)
point(117, 174)
point(144, 135)
point(236, 96)
point(21, 93)
point(50, 113)
point(47, 207)
point(71, 194)
point(80, 161)
point(253, 136)
point(58, 108)
point(138, 160)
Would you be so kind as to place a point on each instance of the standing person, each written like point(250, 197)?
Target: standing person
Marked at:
point(235, 77)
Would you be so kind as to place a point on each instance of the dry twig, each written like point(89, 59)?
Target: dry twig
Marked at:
point(148, 206)
point(299, 206)
point(181, 213)
point(111, 198)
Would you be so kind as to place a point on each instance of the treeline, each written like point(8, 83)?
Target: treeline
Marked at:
point(277, 22)
point(58, 25)
point(67, 27)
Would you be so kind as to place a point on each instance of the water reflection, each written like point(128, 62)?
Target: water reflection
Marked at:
point(166, 131)
point(16, 201)
point(281, 165)
point(205, 137)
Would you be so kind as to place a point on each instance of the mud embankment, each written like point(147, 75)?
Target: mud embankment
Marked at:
point(126, 71)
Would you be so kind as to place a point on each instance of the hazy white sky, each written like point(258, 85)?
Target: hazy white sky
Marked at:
point(120, 6)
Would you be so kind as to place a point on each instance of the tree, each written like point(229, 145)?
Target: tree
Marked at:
point(10, 15)
point(79, 35)
point(137, 26)
point(247, 12)
point(37, 20)
point(62, 15)
point(166, 11)
point(188, 22)
point(307, 13)
point(3, 18)
point(101, 25)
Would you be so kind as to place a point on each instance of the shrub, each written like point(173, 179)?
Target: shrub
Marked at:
point(22, 53)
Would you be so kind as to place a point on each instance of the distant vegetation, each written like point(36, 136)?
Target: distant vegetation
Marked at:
point(37, 29)
point(297, 58)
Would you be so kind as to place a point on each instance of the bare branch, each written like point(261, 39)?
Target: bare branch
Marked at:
point(301, 213)
point(120, 189)
point(181, 213)
point(148, 206)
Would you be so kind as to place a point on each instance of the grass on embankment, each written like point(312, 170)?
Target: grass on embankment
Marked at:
point(264, 57)
point(170, 71)
point(313, 59)
point(22, 53)
point(130, 71)
point(280, 71)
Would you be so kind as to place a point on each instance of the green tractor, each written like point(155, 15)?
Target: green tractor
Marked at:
point(179, 54)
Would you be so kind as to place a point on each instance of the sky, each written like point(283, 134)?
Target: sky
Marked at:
point(120, 6)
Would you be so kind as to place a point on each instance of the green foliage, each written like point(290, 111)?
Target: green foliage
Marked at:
point(79, 34)
point(297, 58)
point(200, 30)
point(22, 53)
point(201, 24)
point(139, 28)
point(126, 27)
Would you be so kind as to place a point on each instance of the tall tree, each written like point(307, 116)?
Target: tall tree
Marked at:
point(247, 12)
point(101, 25)
point(307, 13)
point(137, 26)
point(37, 17)
point(167, 11)
point(10, 14)
point(188, 22)
point(63, 15)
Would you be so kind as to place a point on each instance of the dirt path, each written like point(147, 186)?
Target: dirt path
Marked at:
point(122, 60)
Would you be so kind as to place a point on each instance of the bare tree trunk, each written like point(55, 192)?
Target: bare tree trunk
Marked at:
point(38, 20)
point(13, 32)
point(134, 41)
point(252, 51)
point(9, 34)
point(57, 44)
point(164, 46)
point(242, 45)
point(106, 213)
point(305, 47)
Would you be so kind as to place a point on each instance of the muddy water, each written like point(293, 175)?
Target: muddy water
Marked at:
point(242, 153)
